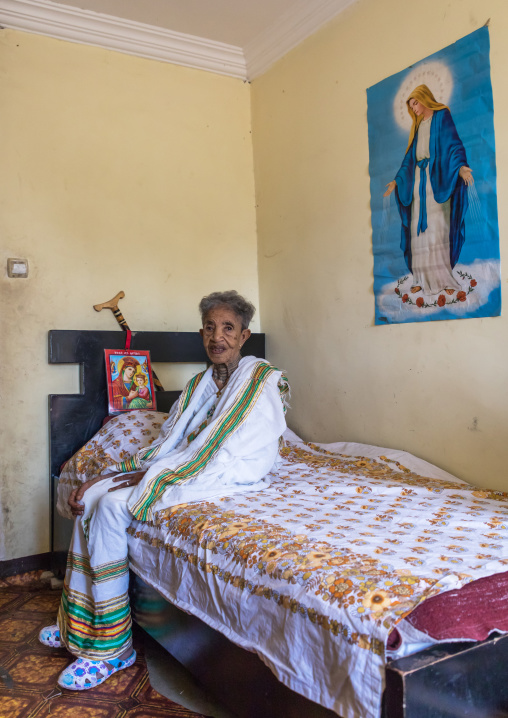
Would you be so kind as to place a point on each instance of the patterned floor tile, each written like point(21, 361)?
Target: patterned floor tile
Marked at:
point(37, 670)
point(6, 654)
point(7, 600)
point(45, 603)
point(15, 705)
point(68, 707)
point(148, 696)
point(17, 630)
point(29, 671)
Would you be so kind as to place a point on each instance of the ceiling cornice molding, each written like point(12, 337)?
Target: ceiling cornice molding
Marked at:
point(63, 22)
point(290, 30)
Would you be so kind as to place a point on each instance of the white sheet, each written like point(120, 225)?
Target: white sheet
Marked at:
point(380, 527)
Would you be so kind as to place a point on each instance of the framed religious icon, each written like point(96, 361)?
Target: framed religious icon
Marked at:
point(130, 380)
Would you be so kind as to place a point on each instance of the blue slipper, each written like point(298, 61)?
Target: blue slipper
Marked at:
point(50, 636)
point(83, 674)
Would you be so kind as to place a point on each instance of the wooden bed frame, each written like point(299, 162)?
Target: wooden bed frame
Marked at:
point(444, 681)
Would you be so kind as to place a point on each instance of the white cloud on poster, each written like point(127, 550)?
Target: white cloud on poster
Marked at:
point(485, 272)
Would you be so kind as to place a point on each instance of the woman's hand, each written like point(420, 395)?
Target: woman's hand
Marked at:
point(467, 175)
point(133, 394)
point(76, 496)
point(389, 188)
point(128, 480)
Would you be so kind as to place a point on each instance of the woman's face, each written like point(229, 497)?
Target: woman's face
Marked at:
point(223, 335)
point(129, 372)
point(418, 108)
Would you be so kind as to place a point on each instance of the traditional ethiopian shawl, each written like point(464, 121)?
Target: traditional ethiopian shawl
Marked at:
point(249, 410)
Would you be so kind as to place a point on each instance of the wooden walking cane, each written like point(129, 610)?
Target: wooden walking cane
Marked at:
point(113, 305)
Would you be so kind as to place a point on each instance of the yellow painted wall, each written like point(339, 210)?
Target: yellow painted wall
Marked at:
point(124, 173)
point(116, 173)
point(436, 389)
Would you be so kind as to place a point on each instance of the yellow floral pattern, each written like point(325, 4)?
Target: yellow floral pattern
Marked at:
point(121, 437)
point(368, 537)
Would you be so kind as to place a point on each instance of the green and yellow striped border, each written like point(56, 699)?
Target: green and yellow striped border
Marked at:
point(96, 631)
point(233, 419)
point(134, 462)
point(99, 574)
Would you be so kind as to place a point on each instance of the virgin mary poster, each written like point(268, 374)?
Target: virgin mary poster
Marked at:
point(433, 188)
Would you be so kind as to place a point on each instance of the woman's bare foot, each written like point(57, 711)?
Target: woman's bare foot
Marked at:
point(416, 289)
point(449, 291)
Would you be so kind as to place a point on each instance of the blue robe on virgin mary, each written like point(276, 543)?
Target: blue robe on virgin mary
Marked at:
point(447, 156)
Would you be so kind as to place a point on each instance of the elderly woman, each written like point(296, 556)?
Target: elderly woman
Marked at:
point(221, 437)
point(430, 189)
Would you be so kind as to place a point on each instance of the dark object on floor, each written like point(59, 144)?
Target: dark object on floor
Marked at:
point(28, 670)
point(25, 564)
point(169, 678)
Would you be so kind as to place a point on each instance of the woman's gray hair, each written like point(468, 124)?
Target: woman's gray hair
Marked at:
point(232, 300)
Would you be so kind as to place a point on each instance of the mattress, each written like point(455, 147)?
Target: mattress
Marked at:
point(316, 573)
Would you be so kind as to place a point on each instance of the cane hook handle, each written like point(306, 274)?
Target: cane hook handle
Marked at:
point(112, 304)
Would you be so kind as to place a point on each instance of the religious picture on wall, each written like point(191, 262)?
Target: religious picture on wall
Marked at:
point(130, 381)
point(433, 188)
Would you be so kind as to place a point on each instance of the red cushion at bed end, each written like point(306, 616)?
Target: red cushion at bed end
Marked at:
point(470, 612)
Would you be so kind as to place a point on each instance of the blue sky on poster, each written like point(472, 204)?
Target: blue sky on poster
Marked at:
point(458, 76)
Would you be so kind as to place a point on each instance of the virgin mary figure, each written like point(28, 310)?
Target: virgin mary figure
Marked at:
point(431, 194)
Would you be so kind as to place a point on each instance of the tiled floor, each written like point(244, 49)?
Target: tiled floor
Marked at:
point(28, 670)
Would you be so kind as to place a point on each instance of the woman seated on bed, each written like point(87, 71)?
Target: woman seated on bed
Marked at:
point(221, 437)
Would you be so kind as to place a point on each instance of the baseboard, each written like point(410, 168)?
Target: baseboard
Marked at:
point(38, 562)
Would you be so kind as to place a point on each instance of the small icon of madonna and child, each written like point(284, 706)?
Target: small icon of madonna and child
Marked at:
point(130, 388)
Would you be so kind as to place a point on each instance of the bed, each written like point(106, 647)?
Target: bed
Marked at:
point(317, 576)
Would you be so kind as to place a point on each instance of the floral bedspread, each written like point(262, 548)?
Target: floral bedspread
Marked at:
point(118, 439)
point(313, 573)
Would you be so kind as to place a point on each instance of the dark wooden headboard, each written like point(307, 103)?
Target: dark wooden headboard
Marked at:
point(75, 418)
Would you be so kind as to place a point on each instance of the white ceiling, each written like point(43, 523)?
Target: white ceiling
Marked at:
point(234, 22)
point(239, 38)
